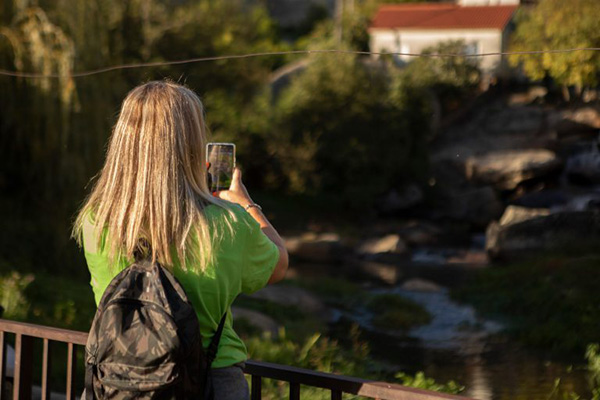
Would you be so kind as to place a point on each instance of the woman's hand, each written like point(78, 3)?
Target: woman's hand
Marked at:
point(237, 192)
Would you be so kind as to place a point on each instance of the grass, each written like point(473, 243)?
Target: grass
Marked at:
point(551, 303)
point(396, 312)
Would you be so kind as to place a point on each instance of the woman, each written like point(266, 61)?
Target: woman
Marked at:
point(154, 186)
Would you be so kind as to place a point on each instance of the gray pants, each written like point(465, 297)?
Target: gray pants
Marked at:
point(230, 383)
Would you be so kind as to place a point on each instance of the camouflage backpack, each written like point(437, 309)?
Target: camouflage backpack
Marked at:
point(145, 340)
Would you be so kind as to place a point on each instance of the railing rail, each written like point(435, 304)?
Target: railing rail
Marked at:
point(25, 334)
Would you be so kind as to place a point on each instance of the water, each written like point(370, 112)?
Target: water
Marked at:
point(460, 345)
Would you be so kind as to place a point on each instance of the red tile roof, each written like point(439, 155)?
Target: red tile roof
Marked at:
point(442, 16)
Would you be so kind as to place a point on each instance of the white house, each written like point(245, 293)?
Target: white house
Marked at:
point(484, 26)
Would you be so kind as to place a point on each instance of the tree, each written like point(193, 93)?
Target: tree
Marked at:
point(551, 25)
point(338, 129)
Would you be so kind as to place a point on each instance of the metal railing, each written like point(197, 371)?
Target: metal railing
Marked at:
point(22, 380)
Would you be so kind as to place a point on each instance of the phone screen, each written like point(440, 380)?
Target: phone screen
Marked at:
point(221, 158)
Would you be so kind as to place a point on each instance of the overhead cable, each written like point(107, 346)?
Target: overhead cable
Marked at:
point(81, 74)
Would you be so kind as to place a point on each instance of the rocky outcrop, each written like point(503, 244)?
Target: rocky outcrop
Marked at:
point(584, 167)
point(379, 272)
point(568, 122)
point(507, 169)
point(525, 232)
point(400, 200)
point(324, 247)
point(478, 206)
point(390, 244)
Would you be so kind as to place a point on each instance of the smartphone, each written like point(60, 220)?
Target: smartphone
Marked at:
point(221, 158)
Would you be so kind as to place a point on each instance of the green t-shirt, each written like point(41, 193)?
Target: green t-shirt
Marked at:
point(244, 262)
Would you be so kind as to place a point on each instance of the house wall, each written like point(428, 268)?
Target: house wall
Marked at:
point(415, 41)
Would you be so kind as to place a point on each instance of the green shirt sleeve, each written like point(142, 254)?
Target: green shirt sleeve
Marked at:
point(260, 258)
point(97, 261)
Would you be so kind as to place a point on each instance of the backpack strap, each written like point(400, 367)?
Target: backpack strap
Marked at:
point(213, 347)
point(211, 353)
point(89, 382)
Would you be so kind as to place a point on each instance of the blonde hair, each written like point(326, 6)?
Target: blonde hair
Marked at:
point(153, 185)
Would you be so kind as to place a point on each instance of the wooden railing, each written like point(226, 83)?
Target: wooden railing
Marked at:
point(27, 334)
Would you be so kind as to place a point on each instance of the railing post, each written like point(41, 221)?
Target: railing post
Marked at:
point(23, 367)
point(71, 367)
point(3, 394)
point(46, 368)
point(256, 388)
point(336, 395)
point(294, 391)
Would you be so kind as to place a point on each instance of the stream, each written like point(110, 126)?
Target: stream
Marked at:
point(460, 345)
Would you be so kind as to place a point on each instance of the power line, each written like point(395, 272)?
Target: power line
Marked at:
point(279, 53)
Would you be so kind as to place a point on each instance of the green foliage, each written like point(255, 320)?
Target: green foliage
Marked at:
point(550, 25)
point(12, 295)
point(592, 355)
point(550, 303)
point(420, 381)
point(444, 72)
point(336, 129)
point(396, 312)
point(449, 79)
point(53, 131)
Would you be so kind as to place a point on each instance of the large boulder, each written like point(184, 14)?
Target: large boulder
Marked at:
point(507, 169)
point(397, 201)
point(389, 244)
point(324, 247)
point(478, 206)
point(525, 232)
point(584, 167)
point(569, 122)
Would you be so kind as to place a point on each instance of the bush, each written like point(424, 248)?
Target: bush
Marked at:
point(336, 128)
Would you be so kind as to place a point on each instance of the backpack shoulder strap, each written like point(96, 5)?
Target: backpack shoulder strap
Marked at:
point(213, 347)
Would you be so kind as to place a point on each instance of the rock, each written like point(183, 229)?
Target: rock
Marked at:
point(420, 233)
point(458, 199)
point(543, 199)
point(397, 201)
point(521, 233)
point(304, 300)
point(507, 169)
point(569, 121)
point(533, 93)
point(516, 120)
point(424, 256)
point(257, 320)
point(478, 206)
point(325, 247)
point(584, 168)
point(587, 202)
point(388, 244)
point(389, 274)
point(515, 214)
point(421, 285)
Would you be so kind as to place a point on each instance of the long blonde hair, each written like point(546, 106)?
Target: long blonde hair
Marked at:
point(153, 185)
